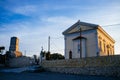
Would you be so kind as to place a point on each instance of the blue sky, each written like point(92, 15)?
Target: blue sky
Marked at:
point(32, 21)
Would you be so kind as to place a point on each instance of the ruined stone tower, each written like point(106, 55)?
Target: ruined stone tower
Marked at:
point(14, 47)
point(14, 44)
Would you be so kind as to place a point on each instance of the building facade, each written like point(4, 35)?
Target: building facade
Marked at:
point(87, 40)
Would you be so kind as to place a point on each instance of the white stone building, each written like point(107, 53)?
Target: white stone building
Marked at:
point(90, 41)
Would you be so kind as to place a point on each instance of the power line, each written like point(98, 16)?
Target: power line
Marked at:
point(61, 37)
point(53, 43)
point(111, 25)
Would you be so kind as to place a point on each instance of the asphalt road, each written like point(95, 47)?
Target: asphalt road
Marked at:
point(50, 76)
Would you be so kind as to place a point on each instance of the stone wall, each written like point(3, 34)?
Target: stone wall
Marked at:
point(19, 62)
point(105, 65)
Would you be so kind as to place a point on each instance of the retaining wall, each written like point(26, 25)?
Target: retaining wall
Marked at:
point(104, 65)
point(19, 62)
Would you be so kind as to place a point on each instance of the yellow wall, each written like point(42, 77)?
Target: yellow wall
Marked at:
point(17, 44)
point(105, 43)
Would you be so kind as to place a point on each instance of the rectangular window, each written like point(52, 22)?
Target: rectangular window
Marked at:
point(100, 43)
point(104, 48)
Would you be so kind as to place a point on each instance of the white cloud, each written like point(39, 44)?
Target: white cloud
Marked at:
point(34, 36)
point(105, 15)
point(59, 21)
point(25, 10)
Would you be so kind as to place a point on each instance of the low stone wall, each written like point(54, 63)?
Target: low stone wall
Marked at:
point(105, 65)
point(19, 62)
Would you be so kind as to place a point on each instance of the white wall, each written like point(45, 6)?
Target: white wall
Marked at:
point(91, 43)
point(76, 52)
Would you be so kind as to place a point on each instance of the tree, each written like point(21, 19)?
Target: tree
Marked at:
point(2, 57)
point(2, 48)
point(56, 56)
point(48, 56)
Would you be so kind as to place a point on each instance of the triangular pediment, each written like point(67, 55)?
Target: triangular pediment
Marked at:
point(76, 27)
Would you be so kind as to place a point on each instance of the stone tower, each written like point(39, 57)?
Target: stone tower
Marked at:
point(14, 44)
point(14, 47)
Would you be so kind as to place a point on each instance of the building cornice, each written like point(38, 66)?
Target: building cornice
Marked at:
point(105, 33)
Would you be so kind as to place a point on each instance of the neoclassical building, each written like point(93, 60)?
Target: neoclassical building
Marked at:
point(87, 40)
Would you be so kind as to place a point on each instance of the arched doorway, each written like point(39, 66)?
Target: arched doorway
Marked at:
point(70, 54)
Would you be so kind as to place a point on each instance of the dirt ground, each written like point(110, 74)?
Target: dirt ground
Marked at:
point(50, 76)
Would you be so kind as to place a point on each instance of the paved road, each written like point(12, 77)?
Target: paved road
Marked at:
point(18, 70)
point(50, 76)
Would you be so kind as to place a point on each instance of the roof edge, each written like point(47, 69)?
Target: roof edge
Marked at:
point(71, 27)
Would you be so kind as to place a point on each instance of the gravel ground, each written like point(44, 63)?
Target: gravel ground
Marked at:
point(50, 76)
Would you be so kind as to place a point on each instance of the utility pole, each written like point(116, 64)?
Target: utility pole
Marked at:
point(80, 43)
point(49, 44)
